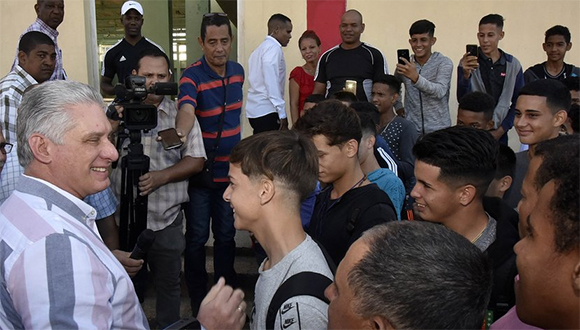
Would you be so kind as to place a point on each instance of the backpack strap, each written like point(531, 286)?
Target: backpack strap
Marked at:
point(301, 284)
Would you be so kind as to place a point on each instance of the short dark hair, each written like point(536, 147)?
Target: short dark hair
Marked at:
point(343, 96)
point(496, 19)
point(152, 52)
point(393, 82)
point(277, 20)
point(314, 98)
point(558, 30)
point(506, 162)
point(465, 155)
point(447, 279)
point(422, 26)
point(369, 116)
point(478, 102)
point(214, 19)
point(560, 163)
point(337, 122)
point(31, 39)
point(572, 83)
point(309, 34)
point(556, 94)
point(285, 156)
point(574, 115)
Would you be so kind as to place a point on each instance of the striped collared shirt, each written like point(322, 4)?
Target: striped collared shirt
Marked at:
point(39, 25)
point(164, 203)
point(12, 88)
point(55, 270)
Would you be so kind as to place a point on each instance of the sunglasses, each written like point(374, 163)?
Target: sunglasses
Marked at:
point(208, 15)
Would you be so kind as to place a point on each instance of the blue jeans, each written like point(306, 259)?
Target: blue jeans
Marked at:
point(205, 204)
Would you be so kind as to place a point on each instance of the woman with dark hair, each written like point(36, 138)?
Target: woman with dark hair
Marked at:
point(302, 77)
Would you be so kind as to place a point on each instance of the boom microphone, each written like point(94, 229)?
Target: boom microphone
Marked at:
point(144, 242)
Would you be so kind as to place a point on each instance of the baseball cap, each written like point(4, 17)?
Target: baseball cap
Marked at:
point(128, 5)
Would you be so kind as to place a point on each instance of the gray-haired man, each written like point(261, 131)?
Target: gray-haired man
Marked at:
point(56, 270)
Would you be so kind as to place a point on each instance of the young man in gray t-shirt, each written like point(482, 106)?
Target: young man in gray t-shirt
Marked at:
point(270, 174)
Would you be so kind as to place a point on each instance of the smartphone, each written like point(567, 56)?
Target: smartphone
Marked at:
point(404, 53)
point(350, 86)
point(471, 49)
point(170, 139)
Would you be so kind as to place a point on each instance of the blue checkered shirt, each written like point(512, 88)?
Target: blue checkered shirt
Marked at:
point(39, 25)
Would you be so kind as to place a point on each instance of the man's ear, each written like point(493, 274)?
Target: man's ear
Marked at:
point(576, 278)
point(467, 194)
point(200, 42)
point(22, 58)
point(433, 41)
point(490, 124)
point(379, 323)
point(37, 8)
point(505, 183)
point(41, 148)
point(363, 27)
point(351, 148)
point(267, 191)
point(372, 140)
point(134, 72)
point(395, 98)
point(569, 46)
point(560, 118)
point(501, 35)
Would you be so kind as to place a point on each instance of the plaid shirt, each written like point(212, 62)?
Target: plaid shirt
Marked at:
point(164, 203)
point(11, 89)
point(39, 25)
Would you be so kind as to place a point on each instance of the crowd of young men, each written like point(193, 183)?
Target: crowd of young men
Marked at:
point(361, 165)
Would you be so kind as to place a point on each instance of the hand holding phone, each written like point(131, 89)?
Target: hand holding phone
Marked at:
point(471, 49)
point(469, 62)
point(170, 139)
point(403, 53)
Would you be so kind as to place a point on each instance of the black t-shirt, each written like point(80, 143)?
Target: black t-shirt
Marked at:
point(336, 224)
point(362, 64)
point(121, 59)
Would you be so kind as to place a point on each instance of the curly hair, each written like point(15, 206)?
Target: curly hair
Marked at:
point(560, 163)
point(331, 118)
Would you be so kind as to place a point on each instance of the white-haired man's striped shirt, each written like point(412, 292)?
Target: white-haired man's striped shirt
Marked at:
point(55, 271)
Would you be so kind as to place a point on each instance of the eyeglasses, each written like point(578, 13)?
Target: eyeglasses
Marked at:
point(5, 148)
point(208, 15)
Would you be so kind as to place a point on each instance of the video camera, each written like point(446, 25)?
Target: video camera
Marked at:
point(136, 115)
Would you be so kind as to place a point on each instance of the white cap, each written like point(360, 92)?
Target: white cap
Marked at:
point(128, 5)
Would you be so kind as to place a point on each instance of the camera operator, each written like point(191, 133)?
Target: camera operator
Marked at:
point(166, 187)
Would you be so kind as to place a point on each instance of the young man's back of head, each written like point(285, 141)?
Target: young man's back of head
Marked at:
point(504, 174)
